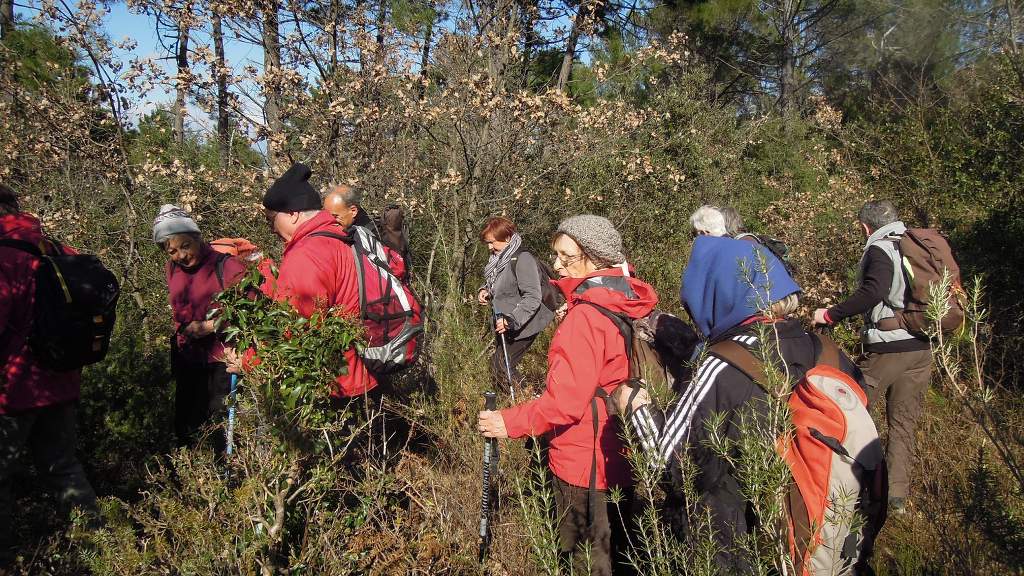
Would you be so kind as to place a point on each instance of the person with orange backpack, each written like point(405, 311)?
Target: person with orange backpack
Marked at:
point(741, 298)
point(196, 273)
point(896, 271)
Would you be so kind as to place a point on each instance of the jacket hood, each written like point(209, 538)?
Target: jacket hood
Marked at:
point(610, 288)
point(897, 228)
point(21, 226)
point(323, 221)
point(727, 282)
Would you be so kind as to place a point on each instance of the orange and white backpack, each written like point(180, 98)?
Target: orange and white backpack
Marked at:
point(837, 502)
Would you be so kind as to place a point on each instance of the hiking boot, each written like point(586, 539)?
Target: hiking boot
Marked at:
point(898, 505)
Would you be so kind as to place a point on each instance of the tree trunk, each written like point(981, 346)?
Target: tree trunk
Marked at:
point(272, 81)
point(528, 20)
point(428, 35)
point(6, 17)
point(789, 36)
point(335, 24)
point(223, 134)
point(565, 72)
point(382, 15)
point(181, 85)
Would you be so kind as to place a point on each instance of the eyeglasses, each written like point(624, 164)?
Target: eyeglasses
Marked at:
point(567, 259)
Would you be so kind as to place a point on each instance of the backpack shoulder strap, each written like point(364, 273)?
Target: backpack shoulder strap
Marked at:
point(624, 326)
point(514, 261)
point(343, 238)
point(829, 352)
point(219, 267)
point(737, 356)
point(22, 245)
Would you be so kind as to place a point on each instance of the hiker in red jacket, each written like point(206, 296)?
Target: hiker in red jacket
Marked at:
point(315, 271)
point(587, 352)
point(195, 275)
point(37, 405)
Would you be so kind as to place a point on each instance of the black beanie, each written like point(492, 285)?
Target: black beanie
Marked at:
point(292, 192)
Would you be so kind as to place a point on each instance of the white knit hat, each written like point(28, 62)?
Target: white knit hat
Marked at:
point(171, 220)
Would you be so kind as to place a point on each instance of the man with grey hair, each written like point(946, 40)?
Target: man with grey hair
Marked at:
point(897, 364)
point(708, 221)
point(345, 203)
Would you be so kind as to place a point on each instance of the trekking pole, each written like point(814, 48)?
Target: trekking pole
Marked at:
point(490, 466)
point(508, 363)
point(231, 416)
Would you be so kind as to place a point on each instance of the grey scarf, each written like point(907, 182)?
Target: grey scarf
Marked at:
point(497, 262)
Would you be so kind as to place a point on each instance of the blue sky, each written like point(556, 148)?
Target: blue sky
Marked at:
point(122, 23)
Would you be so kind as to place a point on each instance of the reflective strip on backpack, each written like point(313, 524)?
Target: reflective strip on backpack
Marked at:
point(394, 351)
point(378, 258)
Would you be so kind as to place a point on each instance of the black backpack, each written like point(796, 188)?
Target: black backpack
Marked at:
point(777, 247)
point(550, 296)
point(75, 307)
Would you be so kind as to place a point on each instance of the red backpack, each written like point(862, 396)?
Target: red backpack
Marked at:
point(388, 308)
point(836, 503)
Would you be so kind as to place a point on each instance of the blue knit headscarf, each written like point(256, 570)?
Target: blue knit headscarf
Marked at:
point(728, 281)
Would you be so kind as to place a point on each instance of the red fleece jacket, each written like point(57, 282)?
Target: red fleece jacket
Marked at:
point(24, 384)
point(319, 271)
point(587, 352)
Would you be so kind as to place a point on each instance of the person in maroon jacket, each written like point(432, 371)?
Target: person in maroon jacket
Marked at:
point(37, 405)
point(195, 274)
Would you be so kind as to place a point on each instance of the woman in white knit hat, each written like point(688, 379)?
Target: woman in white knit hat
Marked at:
point(588, 354)
point(195, 274)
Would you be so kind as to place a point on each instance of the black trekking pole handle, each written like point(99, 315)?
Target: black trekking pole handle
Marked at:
point(490, 455)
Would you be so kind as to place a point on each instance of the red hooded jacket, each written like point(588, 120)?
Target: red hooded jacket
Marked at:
point(587, 352)
point(24, 384)
point(191, 293)
point(320, 271)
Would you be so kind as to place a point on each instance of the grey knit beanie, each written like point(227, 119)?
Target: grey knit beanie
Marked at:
point(597, 236)
point(171, 220)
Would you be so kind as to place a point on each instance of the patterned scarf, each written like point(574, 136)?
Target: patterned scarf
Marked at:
point(497, 262)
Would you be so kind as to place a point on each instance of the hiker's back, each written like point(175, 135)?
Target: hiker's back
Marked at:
point(28, 383)
point(316, 271)
point(835, 505)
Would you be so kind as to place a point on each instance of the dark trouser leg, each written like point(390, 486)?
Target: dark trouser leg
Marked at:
point(191, 399)
point(53, 441)
point(622, 522)
point(218, 386)
point(50, 434)
point(575, 534)
point(364, 420)
point(902, 378)
point(14, 433)
point(516, 350)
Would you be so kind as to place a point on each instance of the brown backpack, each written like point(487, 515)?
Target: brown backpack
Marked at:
point(926, 255)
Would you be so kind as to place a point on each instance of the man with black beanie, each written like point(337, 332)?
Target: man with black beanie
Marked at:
point(315, 271)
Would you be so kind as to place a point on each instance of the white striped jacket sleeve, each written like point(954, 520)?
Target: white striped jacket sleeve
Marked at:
point(661, 442)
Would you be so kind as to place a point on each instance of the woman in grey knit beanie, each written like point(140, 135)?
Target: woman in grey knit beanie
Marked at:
point(586, 359)
point(597, 237)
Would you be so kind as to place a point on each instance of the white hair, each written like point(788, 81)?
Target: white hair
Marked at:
point(708, 220)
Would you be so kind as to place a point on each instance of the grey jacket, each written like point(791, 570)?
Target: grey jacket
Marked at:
point(886, 238)
point(521, 301)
